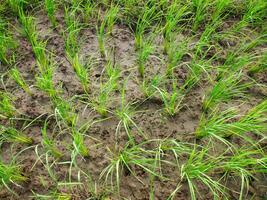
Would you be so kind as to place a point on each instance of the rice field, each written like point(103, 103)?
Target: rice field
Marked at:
point(133, 99)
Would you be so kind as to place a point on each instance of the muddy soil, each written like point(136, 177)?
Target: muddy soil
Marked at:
point(101, 135)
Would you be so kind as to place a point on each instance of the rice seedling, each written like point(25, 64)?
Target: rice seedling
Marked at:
point(89, 10)
point(246, 47)
point(7, 44)
point(215, 119)
point(72, 46)
point(111, 17)
point(73, 29)
point(16, 5)
point(204, 44)
point(129, 10)
point(78, 142)
point(16, 76)
point(172, 100)
point(228, 122)
point(125, 114)
point(103, 99)
point(174, 15)
point(177, 150)
point(44, 81)
point(48, 143)
point(3, 7)
point(219, 9)
point(113, 71)
point(29, 27)
point(65, 111)
point(225, 90)
point(144, 23)
point(256, 118)
point(38, 46)
point(105, 27)
point(143, 54)
point(196, 69)
point(206, 36)
point(197, 168)
point(47, 162)
point(244, 163)
point(7, 109)
point(148, 87)
point(124, 160)
point(255, 13)
point(100, 29)
point(3, 49)
point(50, 7)
point(10, 134)
point(43, 58)
point(10, 173)
point(199, 7)
point(76, 3)
point(100, 104)
point(261, 66)
point(175, 53)
point(233, 64)
point(241, 57)
point(80, 70)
